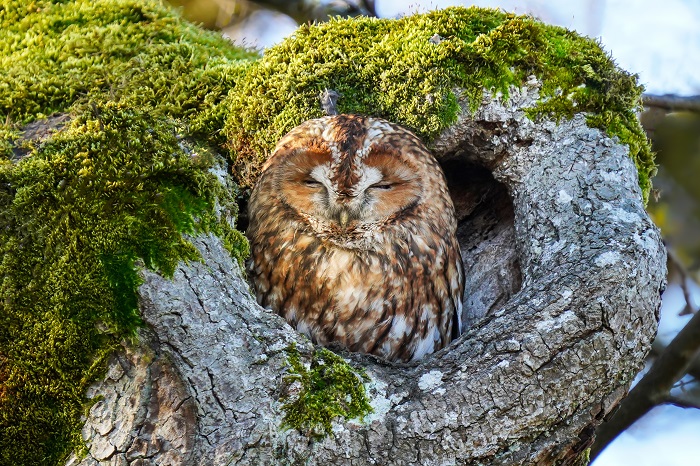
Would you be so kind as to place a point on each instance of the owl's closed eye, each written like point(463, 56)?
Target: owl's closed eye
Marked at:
point(353, 240)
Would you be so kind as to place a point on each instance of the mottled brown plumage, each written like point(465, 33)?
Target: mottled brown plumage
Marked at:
point(352, 232)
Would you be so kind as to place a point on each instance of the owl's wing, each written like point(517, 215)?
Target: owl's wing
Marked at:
point(457, 298)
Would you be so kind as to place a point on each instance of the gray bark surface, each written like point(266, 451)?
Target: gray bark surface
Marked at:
point(564, 274)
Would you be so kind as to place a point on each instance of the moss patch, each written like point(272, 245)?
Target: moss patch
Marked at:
point(120, 183)
point(53, 53)
point(114, 187)
point(330, 388)
point(392, 69)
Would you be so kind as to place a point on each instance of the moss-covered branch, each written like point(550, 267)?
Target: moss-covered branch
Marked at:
point(407, 71)
point(116, 185)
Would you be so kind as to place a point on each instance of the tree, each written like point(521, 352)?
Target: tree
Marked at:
point(131, 183)
point(672, 124)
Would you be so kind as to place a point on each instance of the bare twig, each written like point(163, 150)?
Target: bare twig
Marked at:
point(672, 102)
point(655, 386)
point(683, 383)
point(329, 99)
point(682, 401)
point(689, 309)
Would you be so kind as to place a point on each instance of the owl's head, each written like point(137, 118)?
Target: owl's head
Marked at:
point(349, 173)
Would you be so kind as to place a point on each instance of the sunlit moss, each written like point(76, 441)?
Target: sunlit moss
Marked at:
point(121, 183)
point(148, 96)
point(329, 389)
point(392, 69)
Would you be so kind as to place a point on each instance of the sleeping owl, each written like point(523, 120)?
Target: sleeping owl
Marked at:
point(353, 239)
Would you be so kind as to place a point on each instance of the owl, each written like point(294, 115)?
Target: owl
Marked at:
point(353, 239)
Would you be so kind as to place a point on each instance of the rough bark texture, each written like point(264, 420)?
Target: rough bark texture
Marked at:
point(565, 271)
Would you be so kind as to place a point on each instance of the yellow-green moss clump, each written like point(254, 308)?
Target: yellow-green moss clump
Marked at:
point(145, 96)
point(120, 183)
point(392, 69)
point(330, 388)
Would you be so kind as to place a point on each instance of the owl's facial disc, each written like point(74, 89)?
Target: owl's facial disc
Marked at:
point(350, 192)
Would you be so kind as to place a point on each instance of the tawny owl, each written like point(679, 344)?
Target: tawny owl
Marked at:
point(353, 238)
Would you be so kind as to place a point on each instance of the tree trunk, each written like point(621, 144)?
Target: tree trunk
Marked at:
point(564, 273)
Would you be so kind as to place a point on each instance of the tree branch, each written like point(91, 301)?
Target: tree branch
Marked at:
point(689, 309)
point(500, 395)
point(682, 401)
point(658, 348)
point(654, 387)
point(672, 102)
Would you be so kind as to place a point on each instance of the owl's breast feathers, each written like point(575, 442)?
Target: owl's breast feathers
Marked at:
point(400, 300)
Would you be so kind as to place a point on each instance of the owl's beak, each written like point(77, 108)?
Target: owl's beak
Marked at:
point(344, 218)
point(343, 201)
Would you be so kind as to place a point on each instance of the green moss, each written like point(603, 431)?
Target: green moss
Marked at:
point(52, 53)
point(114, 187)
point(391, 69)
point(330, 388)
point(121, 183)
point(583, 459)
point(7, 134)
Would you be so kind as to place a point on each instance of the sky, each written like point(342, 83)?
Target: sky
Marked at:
point(660, 41)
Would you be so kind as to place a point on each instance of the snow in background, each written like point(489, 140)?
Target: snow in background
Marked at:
point(261, 29)
point(660, 41)
point(666, 436)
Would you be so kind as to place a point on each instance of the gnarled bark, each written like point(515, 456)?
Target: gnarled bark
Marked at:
point(564, 273)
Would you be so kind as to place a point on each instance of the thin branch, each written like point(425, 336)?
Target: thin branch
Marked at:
point(658, 347)
point(682, 402)
point(676, 263)
point(655, 386)
point(672, 102)
point(683, 383)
